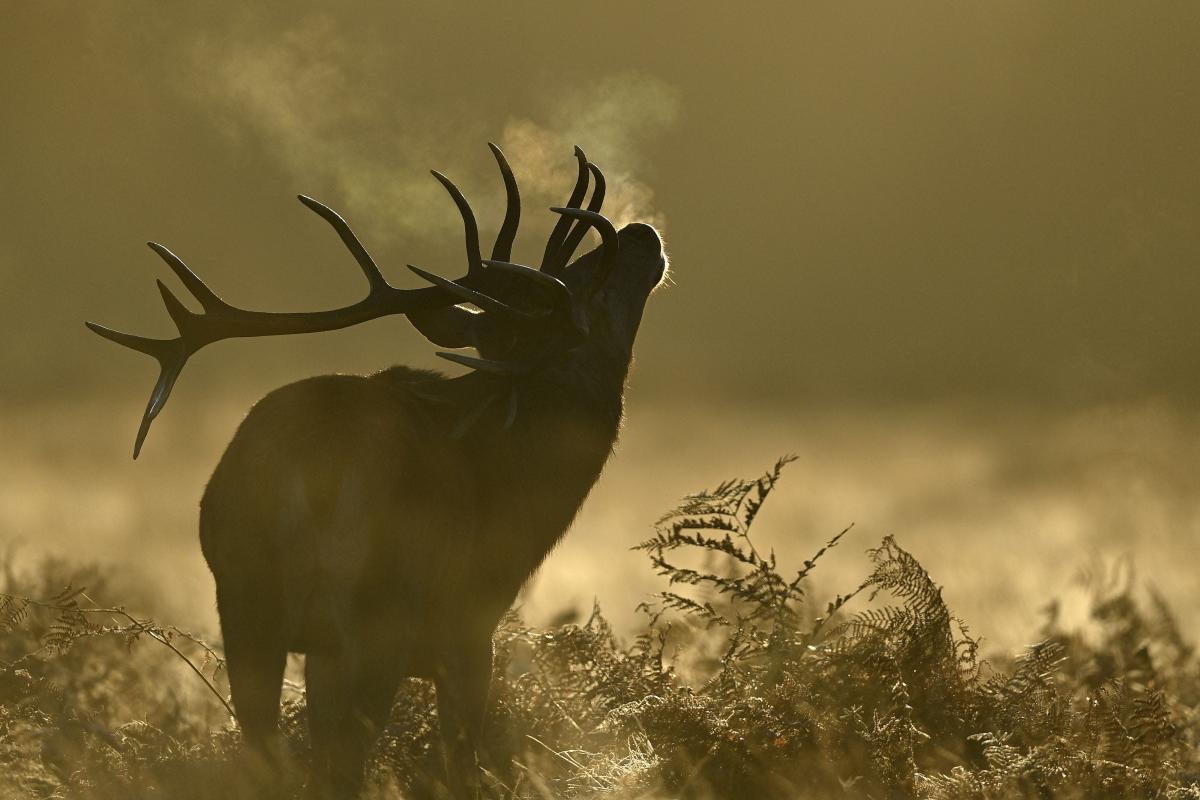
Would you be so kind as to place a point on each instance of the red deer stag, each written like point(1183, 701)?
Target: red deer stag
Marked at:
point(383, 524)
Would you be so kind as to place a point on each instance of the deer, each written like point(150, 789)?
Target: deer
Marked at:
point(383, 524)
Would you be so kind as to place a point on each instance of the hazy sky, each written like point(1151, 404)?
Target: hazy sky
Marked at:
point(864, 203)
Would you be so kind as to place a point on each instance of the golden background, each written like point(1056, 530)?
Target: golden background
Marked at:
point(946, 253)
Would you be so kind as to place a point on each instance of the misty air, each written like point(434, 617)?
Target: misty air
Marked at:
point(538, 401)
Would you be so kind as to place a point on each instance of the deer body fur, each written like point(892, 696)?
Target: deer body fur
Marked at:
point(344, 522)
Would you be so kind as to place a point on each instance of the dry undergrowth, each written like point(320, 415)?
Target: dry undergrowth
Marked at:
point(739, 686)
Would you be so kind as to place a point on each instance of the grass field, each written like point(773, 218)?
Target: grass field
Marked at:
point(743, 674)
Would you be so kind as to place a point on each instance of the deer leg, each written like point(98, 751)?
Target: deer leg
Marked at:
point(329, 680)
point(463, 680)
point(255, 657)
point(349, 702)
point(374, 693)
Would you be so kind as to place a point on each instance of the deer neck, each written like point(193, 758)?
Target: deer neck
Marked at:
point(543, 442)
point(562, 424)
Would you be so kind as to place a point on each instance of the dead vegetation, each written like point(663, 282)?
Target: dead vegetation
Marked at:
point(740, 685)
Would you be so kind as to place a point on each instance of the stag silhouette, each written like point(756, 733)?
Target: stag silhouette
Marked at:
point(383, 524)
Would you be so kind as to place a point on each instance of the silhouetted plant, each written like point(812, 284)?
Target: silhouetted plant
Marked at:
point(740, 685)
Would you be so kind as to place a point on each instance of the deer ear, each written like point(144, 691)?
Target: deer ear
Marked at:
point(452, 326)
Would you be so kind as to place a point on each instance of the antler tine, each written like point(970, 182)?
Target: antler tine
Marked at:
point(171, 355)
point(563, 256)
point(488, 364)
point(502, 249)
point(470, 227)
point(608, 235)
point(563, 225)
point(368, 265)
point(199, 289)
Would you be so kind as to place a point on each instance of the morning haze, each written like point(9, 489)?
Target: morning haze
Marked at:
point(945, 252)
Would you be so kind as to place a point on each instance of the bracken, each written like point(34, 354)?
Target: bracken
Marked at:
point(738, 686)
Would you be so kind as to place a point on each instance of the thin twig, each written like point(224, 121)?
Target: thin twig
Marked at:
point(137, 627)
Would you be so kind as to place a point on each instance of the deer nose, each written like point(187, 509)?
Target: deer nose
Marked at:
point(643, 234)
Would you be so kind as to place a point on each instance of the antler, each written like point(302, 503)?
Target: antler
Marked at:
point(221, 320)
